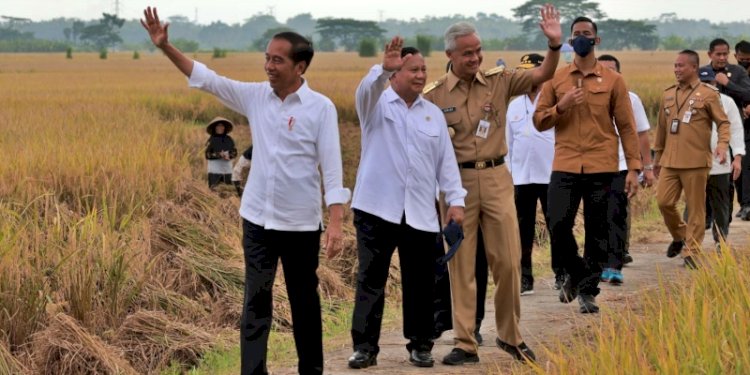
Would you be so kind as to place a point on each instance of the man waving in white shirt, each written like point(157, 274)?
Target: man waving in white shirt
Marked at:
point(406, 157)
point(295, 131)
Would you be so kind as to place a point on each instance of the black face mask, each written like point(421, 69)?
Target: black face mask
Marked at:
point(583, 45)
point(744, 64)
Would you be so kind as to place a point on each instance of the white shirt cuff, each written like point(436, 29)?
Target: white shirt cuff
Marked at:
point(338, 196)
point(457, 202)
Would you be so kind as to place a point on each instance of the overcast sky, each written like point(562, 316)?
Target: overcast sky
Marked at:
point(235, 11)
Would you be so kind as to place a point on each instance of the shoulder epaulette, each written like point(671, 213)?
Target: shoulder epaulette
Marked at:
point(433, 85)
point(671, 87)
point(495, 70)
point(712, 87)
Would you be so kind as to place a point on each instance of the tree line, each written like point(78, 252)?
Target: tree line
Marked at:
point(331, 34)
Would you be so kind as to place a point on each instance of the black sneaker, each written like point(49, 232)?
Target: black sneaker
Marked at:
point(459, 357)
point(588, 304)
point(559, 280)
point(362, 359)
point(627, 259)
point(675, 248)
point(745, 213)
point(568, 292)
point(521, 352)
point(527, 286)
point(421, 358)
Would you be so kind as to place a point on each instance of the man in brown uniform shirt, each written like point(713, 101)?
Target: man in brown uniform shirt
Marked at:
point(580, 102)
point(683, 152)
point(474, 103)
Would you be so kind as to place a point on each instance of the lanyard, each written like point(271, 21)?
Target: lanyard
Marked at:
point(679, 107)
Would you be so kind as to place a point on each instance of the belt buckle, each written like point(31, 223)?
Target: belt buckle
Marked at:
point(480, 165)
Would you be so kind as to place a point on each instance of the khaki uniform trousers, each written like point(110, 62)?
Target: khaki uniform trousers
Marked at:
point(671, 183)
point(489, 204)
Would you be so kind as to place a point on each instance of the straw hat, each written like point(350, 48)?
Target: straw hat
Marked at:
point(211, 128)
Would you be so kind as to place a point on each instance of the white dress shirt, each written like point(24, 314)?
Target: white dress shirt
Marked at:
point(406, 156)
point(641, 125)
point(736, 136)
point(530, 152)
point(290, 139)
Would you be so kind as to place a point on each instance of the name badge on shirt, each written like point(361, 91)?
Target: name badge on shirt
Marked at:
point(686, 116)
point(483, 129)
point(675, 126)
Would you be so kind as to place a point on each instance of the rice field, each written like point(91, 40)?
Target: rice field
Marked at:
point(114, 255)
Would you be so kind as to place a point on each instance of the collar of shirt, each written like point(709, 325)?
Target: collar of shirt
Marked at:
point(453, 80)
point(572, 68)
point(690, 85)
point(303, 93)
point(391, 96)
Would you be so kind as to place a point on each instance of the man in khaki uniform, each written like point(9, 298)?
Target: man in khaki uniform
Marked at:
point(474, 103)
point(683, 153)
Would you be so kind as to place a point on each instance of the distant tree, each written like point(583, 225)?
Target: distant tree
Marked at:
point(105, 33)
point(185, 45)
point(136, 55)
point(528, 14)
point(325, 45)
point(673, 43)
point(303, 23)
point(8, 33)
point(178, 19)
point(261, 43)
point(348, 32)
point(368, 47)
point(621, 34)
point(424, 44)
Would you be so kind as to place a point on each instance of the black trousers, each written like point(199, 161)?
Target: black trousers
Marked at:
point(377, 239)
point(443, 311)
point(526, 197)
point(719, 200)
point(216, 178)
point(618, 214)
point(742, 184)
point(298, 252)
point(566, 190)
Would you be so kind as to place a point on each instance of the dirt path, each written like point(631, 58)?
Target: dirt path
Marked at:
point(544, 319)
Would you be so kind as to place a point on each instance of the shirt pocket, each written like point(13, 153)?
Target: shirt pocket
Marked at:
point(427, 138)
point(599, 98)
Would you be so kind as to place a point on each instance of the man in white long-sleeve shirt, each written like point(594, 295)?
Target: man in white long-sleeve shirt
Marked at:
point(530, 154)
point(406, 157)
point(295, 132)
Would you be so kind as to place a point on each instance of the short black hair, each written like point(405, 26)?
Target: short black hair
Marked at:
point(610, 58)
point(302, 49)
point(584, 19)
point(742, 46)
point(693, 56)
point(409, 50)
point(717, 42)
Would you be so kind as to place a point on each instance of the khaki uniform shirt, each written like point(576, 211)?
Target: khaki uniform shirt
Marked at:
point(689, 145)
point(585, 137)
point(464, 104)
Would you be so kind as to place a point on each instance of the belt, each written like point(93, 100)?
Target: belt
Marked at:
point(483, 164)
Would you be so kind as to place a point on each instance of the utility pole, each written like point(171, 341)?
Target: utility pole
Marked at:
point(117, 8)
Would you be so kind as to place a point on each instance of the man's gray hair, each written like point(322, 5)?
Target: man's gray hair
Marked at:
point(456, 31)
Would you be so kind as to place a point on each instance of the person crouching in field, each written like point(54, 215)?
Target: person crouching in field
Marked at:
point(242, 163)
point(295, 137)
point(219, 151)
point(406, 156)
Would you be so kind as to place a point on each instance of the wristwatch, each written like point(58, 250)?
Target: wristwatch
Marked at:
point(648, 167)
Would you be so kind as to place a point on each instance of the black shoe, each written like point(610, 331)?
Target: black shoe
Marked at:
point(588, 304)
point(421, 358)
point(627, 259)
point(520, 353)
point(478, 336)
point(568, 292)
point(690, 263)
point(739, 213)
point(559, 280)
point(675, 248)
point(459, 357)
point(745, 213)
point(527, 286)
point(362, 359)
